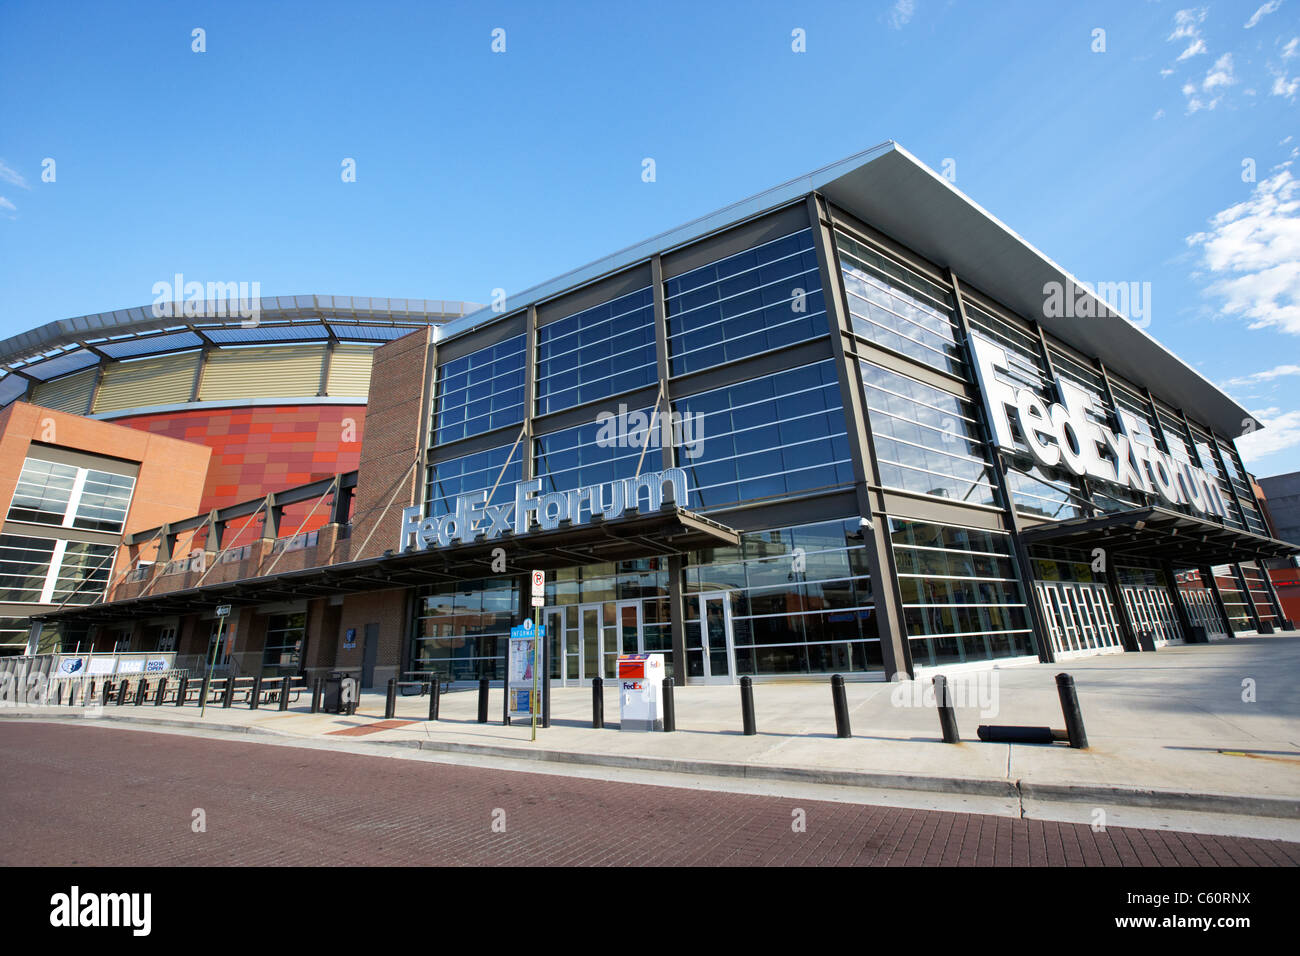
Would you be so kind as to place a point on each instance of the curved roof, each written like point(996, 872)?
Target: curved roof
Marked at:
point(70, 345)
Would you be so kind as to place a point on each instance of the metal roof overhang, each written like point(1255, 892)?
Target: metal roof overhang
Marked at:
point(1160, 535)
point(664, 532)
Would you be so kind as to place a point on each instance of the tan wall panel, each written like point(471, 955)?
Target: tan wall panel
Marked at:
point(286, 372)
point(68, 394)
point(350, 370)
point(164, 380)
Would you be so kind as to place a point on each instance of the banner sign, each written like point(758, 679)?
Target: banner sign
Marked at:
point(1061, 435)
point(473, 516)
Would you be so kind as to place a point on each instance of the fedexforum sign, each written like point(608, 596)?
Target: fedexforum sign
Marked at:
point(1062, 435)
point(473, 516)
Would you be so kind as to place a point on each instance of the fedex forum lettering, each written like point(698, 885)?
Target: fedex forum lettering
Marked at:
point(1062, 435)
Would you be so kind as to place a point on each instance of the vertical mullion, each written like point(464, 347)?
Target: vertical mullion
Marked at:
point(895, 648)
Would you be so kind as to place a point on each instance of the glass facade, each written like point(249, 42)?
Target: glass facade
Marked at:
point(799, 601)
point(480, 391)
point(775, 436)
point(597, 353)
point(761, 299)
point(477, 472)
point(927, 440)
point(962, 600)
point(761, 443)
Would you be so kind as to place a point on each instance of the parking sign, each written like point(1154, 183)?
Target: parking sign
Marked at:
point(539, 588)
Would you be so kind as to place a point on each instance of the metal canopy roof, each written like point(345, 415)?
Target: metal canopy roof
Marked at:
point(890, 189)
point(667, 531)
point(60, 347)
point(1160, 535)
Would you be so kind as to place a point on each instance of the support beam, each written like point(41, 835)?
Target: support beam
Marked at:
point(895, 649)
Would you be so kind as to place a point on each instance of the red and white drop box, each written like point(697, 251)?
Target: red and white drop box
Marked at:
point(640, 692)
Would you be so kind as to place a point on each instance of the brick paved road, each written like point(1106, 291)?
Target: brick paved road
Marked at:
point(82, 795)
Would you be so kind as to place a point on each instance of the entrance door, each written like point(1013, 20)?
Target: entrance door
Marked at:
point(710, 656)
point(369, 655)
point(591, 620)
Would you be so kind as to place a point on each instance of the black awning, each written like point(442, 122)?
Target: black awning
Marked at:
point(1159, 535)
point(664, 532)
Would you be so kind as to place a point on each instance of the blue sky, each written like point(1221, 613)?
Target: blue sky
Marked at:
point(477, 170)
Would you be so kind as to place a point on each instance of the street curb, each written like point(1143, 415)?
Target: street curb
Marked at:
point(1205, 802)
point(813, 775)
point(1150, 798)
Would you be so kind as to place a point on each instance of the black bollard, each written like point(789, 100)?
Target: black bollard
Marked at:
point(390, 704)
point(317, 691)
point(670, 707)
point(255, 695)
point(58, 693)
point(747, 706)
point(228, 692)
point(162, 692)
point(1000, 734)
point(1070, 708)
point(72, 692)
point(181, 689)
point(597, 703)
point(285, 683)
point(841, 702)
point(107, 692)
point(947, 715)
point(482, 700)
point(435, 691)
point(121, 692)
point(141, 691)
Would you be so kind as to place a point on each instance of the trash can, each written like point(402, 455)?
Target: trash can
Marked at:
point(332, 695)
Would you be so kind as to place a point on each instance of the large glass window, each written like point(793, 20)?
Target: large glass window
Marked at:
point(898, 308)
point(461, 629)
point(282, 655)
point(927, 439)
point(596, 353)
point(13, 635)
point(961, 598)
point(478, 472)
point(53, 493)
point(761, 299)
point(480, 391)
point(779, 435)
point(588, 455)
point(81, 570)
point(800, 600)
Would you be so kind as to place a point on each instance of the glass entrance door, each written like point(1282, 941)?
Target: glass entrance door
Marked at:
point(555, 648)
point(709, 653)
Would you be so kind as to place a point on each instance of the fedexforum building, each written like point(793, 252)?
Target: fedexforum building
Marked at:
point(839, 427)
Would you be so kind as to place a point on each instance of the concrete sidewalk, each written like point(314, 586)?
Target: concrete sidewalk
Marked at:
point(1168, 730)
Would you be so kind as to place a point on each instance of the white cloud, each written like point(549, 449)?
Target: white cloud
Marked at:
point(1253, 251)
point(902, 13)
point(1217, 79)
point(1281, 431)
point(1262, 12)
point(1285, 86)
point(1291, 49)
point(6, 204)
point(1185, 23)
point(1267, 375)
point(10, 175)
point(1194, 48)
point(1220, 74)
point(1158, 115)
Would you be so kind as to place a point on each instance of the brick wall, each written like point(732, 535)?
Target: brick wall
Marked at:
point(386, 477)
